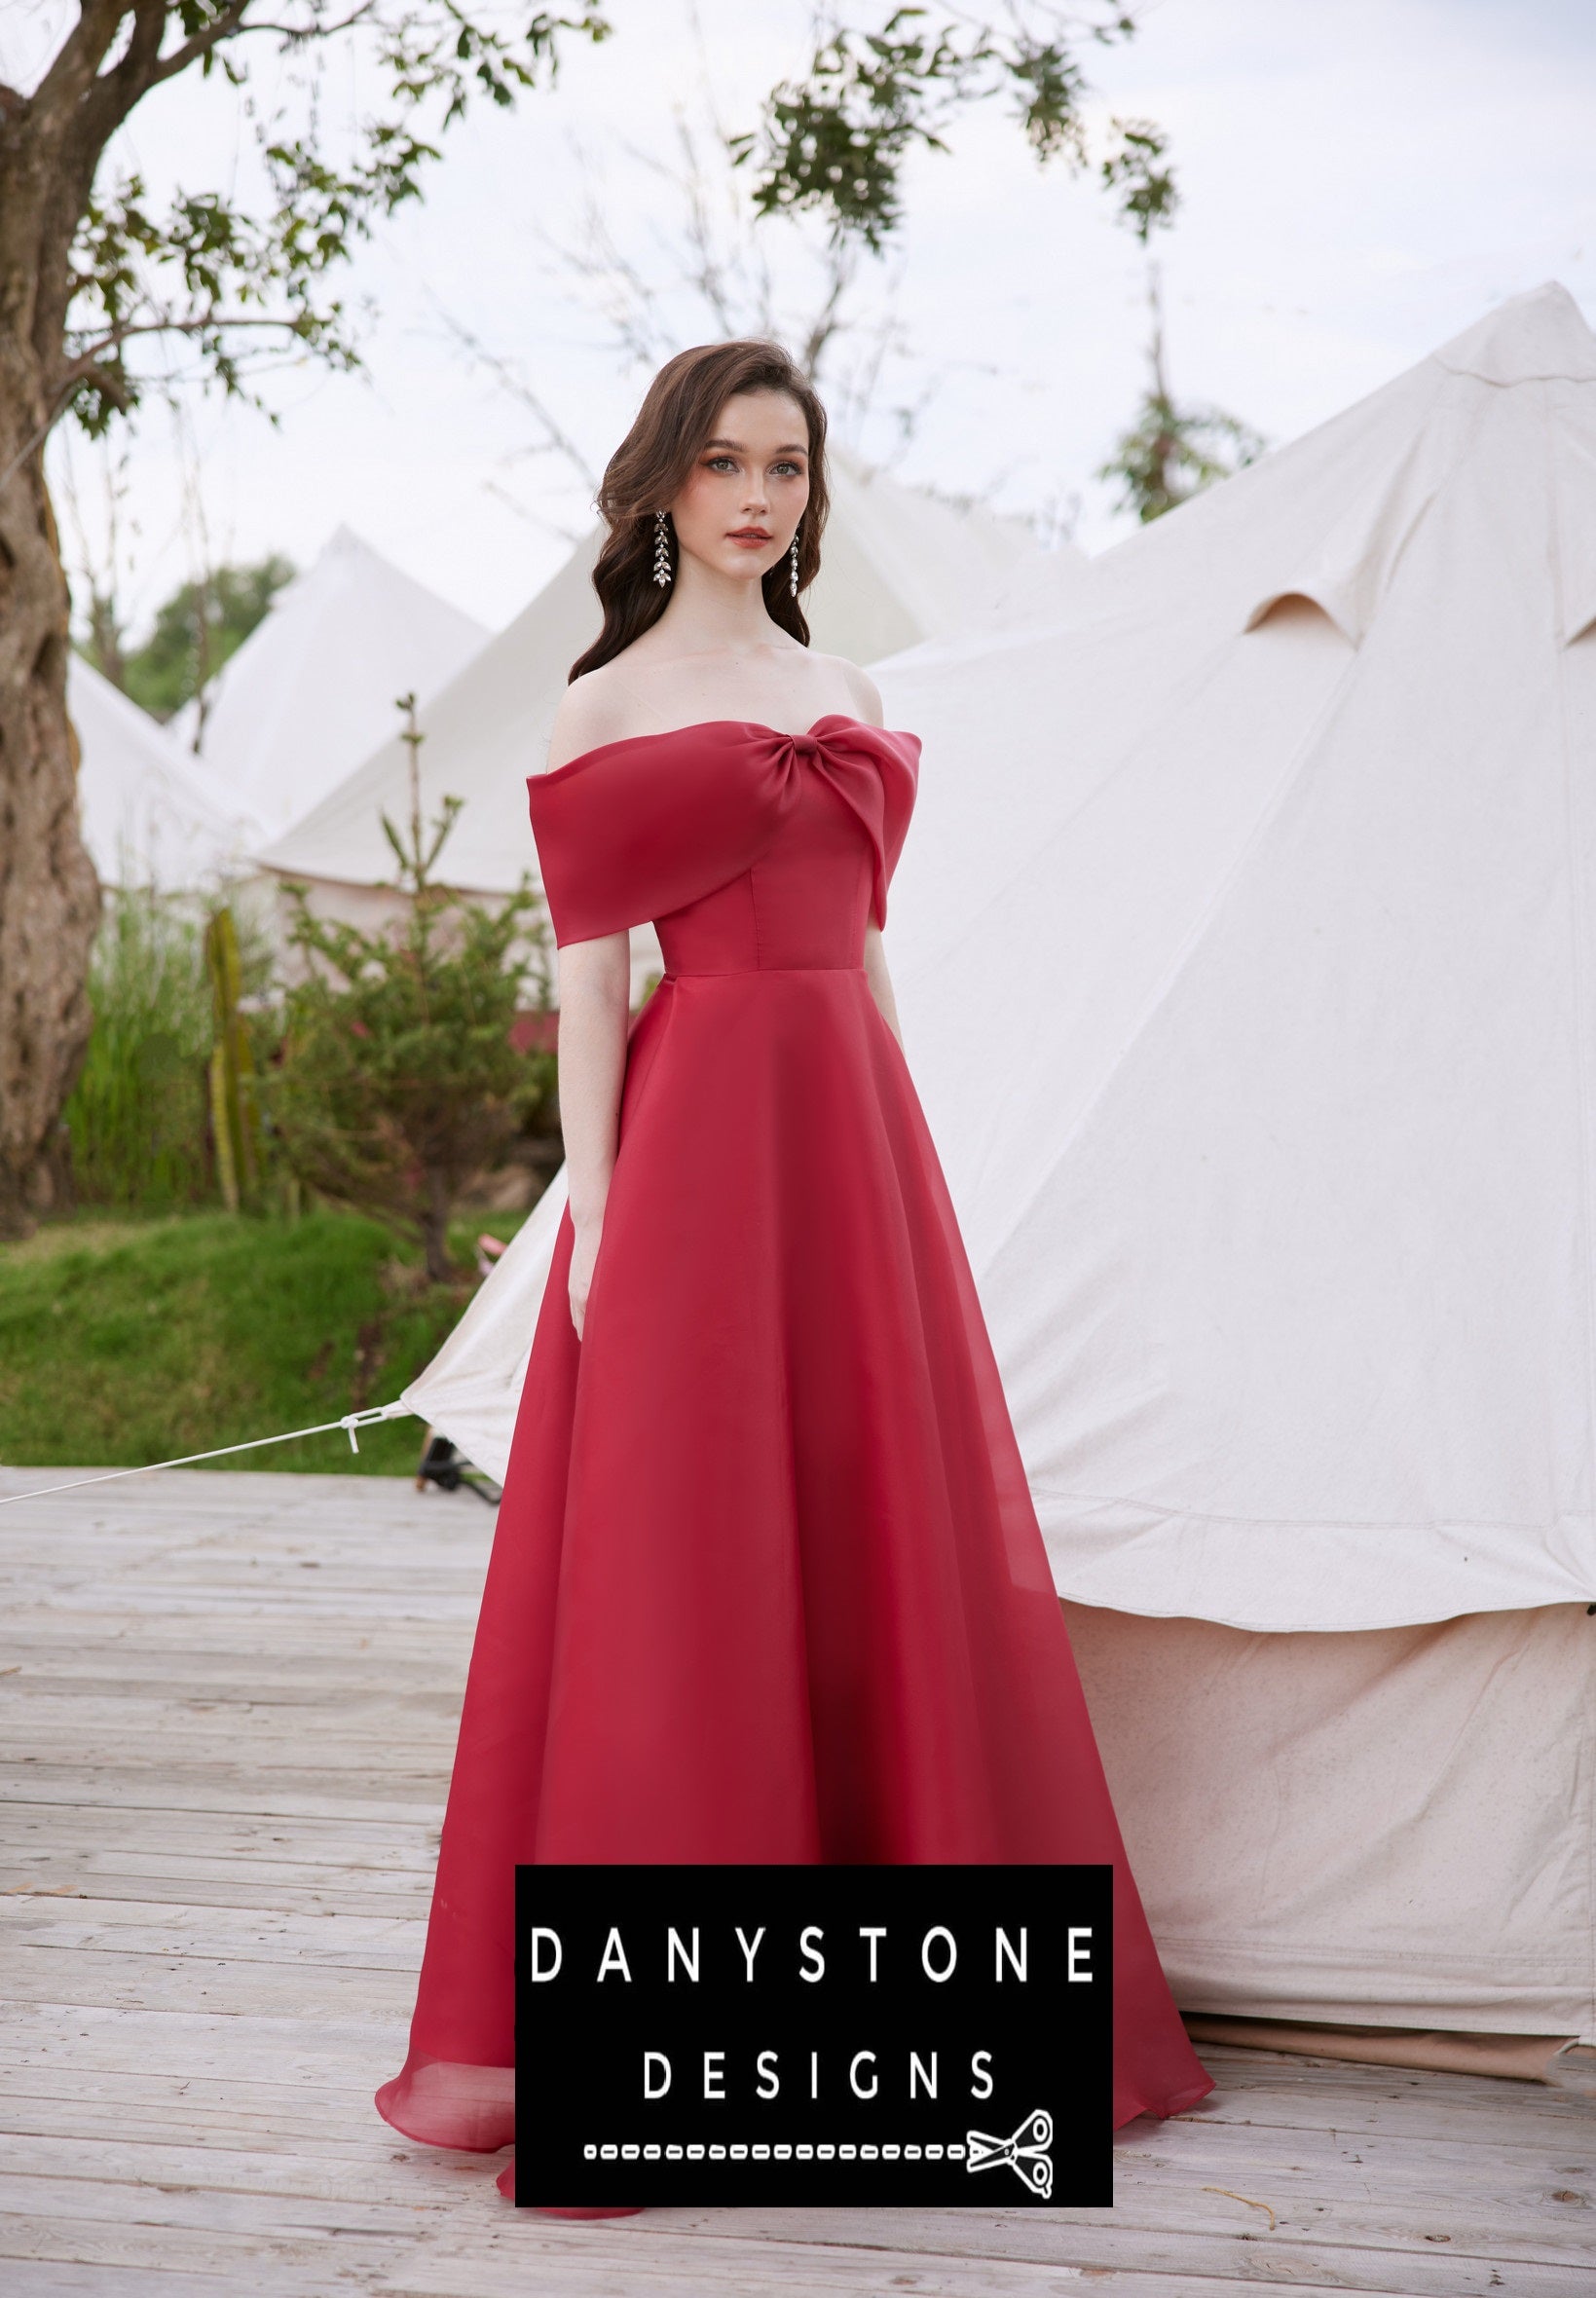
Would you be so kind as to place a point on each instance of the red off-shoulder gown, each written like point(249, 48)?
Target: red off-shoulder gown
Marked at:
point(767, 1583)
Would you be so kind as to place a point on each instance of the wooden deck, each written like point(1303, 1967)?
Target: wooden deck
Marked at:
point(227, 1708)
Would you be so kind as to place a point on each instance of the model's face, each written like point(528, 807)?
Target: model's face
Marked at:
point(745, 492)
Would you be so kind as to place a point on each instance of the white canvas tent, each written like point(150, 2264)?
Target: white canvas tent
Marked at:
point(1245, 942)
point(148, 816)
point(900, 566)
point(313, 688)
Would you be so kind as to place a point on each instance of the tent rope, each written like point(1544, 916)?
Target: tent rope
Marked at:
point(350, 1421)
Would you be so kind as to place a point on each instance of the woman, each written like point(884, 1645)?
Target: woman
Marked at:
point(767, 1583)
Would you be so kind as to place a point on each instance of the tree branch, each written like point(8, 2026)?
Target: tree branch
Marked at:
point(200, 43)
point(132, 74)
point(518, 387)
point(110, 381)
point(59, 400)
point(231, 22)
point(78, 58)
point(824, 325)
point(303, 33)
point(206, 322)
point(143, 67)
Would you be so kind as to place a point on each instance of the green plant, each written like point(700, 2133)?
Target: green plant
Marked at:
point(166, 1106)
point(136, 1117)
point(397, 1079)
point(1171, 452)
point(194, 633)
point(234, 1097)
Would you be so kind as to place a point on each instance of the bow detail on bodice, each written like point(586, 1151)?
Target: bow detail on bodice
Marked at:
point(637, 828)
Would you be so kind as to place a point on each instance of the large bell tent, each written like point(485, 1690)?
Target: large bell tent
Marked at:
point(150, 818)
point(313, 688)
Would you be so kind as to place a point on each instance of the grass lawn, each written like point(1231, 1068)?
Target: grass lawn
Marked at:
point(128, 1342)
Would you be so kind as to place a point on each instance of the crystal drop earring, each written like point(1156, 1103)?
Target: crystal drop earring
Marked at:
point(662, 551)
point(793, 582)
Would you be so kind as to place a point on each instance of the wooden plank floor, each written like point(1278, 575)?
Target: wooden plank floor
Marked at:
point(227, 1706)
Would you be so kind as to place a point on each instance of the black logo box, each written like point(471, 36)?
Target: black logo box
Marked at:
point(873, 2035)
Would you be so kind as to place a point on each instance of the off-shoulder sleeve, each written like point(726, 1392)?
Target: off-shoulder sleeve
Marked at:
point(635, 829)
point(900, 784)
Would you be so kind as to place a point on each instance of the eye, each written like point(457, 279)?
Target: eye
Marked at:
point(722, 463)
point(788, 470)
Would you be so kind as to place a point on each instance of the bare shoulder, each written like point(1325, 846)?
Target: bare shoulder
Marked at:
point(593, 710)
point(864, 699)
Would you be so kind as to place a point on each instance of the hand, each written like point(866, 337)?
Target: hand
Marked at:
point(583, 1254)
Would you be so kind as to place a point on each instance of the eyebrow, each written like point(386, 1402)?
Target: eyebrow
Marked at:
point(738, 446)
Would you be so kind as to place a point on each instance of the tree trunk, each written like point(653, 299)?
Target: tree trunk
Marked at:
point(435, 1228)
point(49, 894)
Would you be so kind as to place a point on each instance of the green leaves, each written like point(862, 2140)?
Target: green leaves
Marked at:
point(416, 858)
point(1173, 452)
point(212, 271)
point(1135, 168)
point(196, 628)
point(240, 276)
point(399, 1079)
point(836, 141)
point(136, 1116)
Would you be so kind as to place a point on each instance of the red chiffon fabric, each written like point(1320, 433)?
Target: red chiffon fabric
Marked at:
point(767, 1583)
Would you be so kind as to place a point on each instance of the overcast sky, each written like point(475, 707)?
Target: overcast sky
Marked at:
point(1361, 182)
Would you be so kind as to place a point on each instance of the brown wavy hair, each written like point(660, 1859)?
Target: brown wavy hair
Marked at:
point(649, 467)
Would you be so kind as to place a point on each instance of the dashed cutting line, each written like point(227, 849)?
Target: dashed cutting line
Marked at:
point(814, 2151)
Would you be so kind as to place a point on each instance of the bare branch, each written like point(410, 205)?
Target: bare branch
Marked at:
point(223, 28)
point(109, 381)
point(203, 323)
point(512, 380)
point(569, 535)
point(230, 25)
point(303, 33)
point(826, 321)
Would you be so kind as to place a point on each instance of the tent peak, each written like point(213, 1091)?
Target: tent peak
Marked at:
point(344, 538)
point(1529, 339)
point(311, 689)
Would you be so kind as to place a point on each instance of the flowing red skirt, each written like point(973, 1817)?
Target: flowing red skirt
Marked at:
point(767, 1583)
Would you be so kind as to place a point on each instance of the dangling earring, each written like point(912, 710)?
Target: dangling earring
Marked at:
point(662, 551)
point(793, 583)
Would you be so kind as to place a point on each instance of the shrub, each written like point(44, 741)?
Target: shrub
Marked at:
point(136, 1118)
point(397, 1079)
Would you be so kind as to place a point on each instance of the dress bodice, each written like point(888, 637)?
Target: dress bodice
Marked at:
point(749, 850)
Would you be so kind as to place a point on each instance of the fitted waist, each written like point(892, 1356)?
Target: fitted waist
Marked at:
point(679, 973)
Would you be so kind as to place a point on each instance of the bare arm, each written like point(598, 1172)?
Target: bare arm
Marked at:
point(867, 704)
point(880, 981)
point(595, 986)
point(594, 994)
